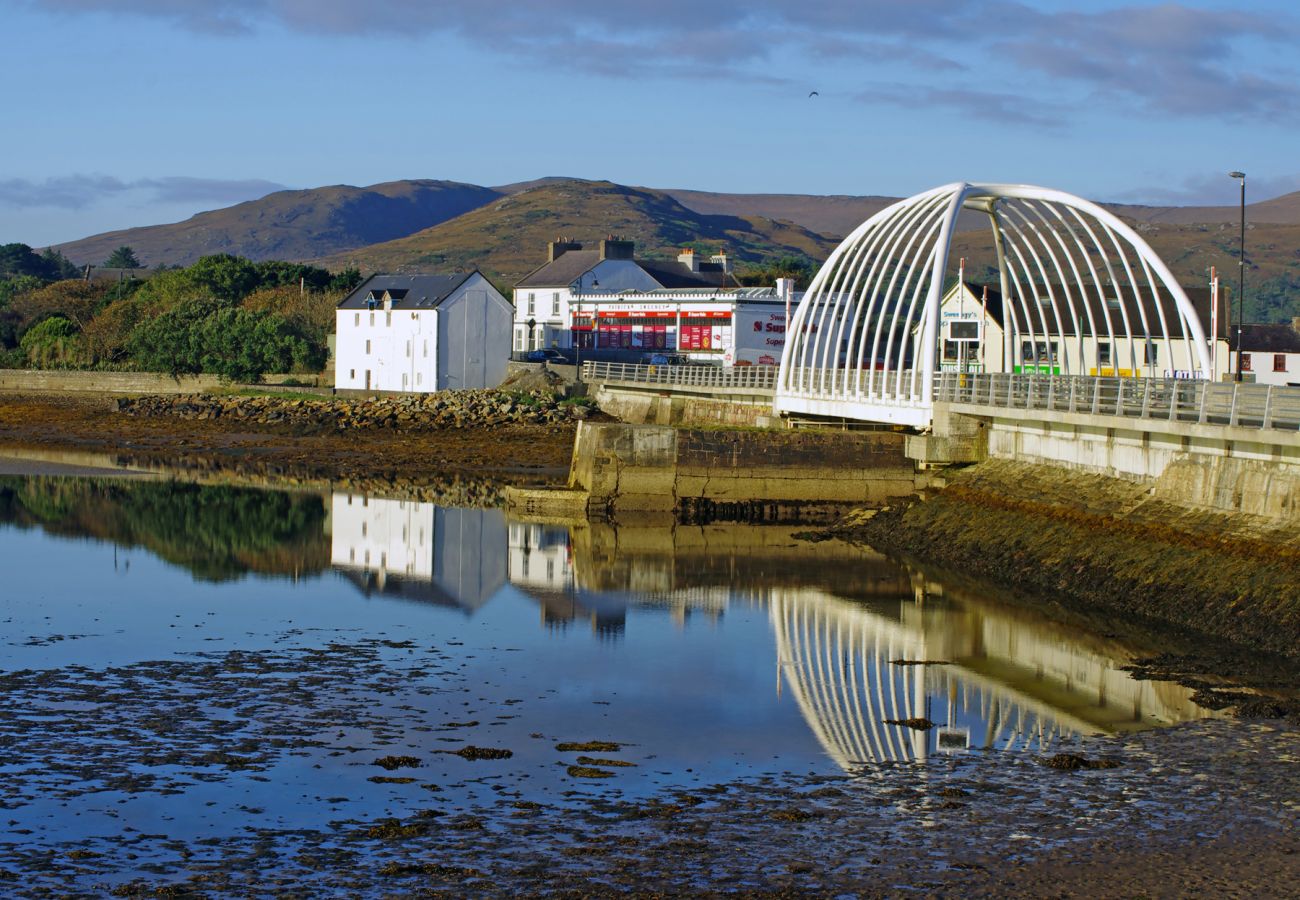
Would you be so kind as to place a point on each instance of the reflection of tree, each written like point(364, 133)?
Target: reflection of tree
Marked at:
point(215, 532)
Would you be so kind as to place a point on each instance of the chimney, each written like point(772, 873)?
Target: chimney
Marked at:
point(785, 289)
point(615, 248)
point(721, 260)
point(687, 258)
point(557, 248)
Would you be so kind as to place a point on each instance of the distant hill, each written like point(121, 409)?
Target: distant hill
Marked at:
point(507, 238)
point(504, 229)
point(292, 225)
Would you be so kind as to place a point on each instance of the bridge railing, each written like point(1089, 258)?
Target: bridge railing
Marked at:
point(1233, 403)
point(757, 378)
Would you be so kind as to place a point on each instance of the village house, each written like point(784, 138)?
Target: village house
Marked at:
point(422, 333)
point(1271, 353)
point(976, 334)
point(606, 300)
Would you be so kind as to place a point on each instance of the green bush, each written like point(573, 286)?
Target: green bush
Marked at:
point(51, 344)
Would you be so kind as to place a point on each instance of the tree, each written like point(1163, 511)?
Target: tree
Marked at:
point(208, 335)
point(123, 258)
point(224, 276)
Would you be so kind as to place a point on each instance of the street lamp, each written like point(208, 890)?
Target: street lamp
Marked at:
point(577, 344)
point(1241, 267)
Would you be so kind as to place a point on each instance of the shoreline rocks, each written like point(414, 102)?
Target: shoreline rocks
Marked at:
point(414, 412)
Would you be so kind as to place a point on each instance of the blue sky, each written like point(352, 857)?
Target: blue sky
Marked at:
point(133, 112)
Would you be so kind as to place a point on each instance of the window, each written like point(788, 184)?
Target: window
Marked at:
point(372, 318)
point(555, 303)
point(356, 319)
point(532, 304)
point(1039, 352)
point(1104, 355)
point(408, 349)
point(949, 351)
point(1279, 362)
point(1245, 362)
point(1151, 356)
point(367, 346)
point(388, 318)
point(352, 376)
point(519, 340)
point(426, 348)
point(964, 331)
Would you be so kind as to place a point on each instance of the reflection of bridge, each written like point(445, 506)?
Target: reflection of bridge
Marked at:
point(1005, 682)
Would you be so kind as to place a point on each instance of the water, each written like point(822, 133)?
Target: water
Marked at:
point(197, 661)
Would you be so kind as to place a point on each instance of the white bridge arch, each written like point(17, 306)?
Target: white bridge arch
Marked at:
point(1072, 279)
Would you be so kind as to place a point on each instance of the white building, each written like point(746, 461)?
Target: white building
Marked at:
point(422, 333)
point(977, 335)
point(605, 299)
point(1270, 354)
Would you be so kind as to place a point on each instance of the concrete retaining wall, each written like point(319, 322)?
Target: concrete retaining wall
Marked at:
point(646, 407)
point(1251, 472)
point(655, 468)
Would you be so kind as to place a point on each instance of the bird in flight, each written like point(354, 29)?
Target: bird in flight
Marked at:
point(813, 94)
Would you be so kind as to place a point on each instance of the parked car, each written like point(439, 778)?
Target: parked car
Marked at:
point(547, 355)
point(664, 359)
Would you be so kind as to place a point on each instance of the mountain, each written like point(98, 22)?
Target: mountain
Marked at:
point(293, 225)
point(835, 214)
point(1284, 210)
point(507, 238)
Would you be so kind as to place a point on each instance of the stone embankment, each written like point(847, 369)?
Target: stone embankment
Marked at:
point(1105, 546)
point(443, 410)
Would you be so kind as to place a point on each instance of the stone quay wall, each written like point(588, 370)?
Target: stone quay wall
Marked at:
point(619, 468)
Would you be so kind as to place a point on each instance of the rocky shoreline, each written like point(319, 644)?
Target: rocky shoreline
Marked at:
point(1103, 550)
point(415, 412)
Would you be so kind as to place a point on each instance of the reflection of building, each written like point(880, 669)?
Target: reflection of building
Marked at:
point(453, 557)
point(995, 681)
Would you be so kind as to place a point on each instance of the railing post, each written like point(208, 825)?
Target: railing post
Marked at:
point(1232, 413)
point(1268, 408)
point(1205, 399)
point(1096, 396)
point(1146, 399)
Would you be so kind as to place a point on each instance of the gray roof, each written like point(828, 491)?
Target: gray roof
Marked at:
point(406, 291)
point(668, 273)
point(1270, 339)
point(563, 271)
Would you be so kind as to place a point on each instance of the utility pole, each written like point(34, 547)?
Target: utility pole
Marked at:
point(1241, 268)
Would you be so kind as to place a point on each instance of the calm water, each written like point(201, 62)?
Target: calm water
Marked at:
point(188, 660)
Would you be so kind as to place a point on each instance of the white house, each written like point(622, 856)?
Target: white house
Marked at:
point(1270, 353)
point(422, 333)
point(976, 334)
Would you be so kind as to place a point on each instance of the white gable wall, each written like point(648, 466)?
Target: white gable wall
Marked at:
point(464, 342)
point(474, 337)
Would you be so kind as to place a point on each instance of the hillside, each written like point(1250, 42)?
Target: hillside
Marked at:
point(292, 225)
point(836, 214)
point(507, 239)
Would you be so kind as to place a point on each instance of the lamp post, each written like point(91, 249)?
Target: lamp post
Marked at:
point(1241, 268)
point(577, 344)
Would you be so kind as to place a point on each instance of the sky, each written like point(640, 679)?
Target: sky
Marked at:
point(134, 112)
